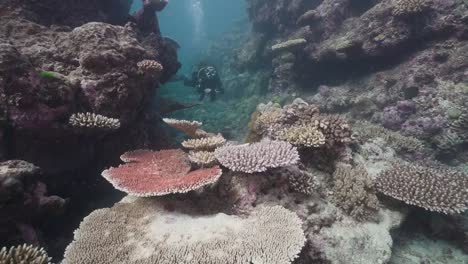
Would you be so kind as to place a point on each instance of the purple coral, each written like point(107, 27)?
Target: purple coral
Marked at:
point(423, 126)
point(394, 116)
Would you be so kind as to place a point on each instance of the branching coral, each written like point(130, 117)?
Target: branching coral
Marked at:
point(155, 173)
point(150, 67)
point(409, 7)
point(208, 143)
point(26, 254)
point(299, 180)
point(302, 135)
point(301, 124)
point(257, 157)
point(435, 189)
point(202, 158)
point(93, 121)
point(366, 130)
point(151, 231)
point(353, 192)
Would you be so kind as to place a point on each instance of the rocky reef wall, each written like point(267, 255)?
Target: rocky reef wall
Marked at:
point(62, 59)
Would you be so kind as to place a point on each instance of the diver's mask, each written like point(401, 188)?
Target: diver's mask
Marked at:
point(210, 72)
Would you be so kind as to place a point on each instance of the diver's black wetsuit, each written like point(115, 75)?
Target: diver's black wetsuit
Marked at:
point(203, 79)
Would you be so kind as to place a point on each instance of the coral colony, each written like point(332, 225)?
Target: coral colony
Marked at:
point(341, 138)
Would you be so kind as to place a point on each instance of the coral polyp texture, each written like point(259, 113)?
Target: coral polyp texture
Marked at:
point(207, 143)
point(145, 231)
point(24, 254)
point(439, 190)
point(202, 158)
point(155, 173)
point(93, 121)
point(353, 192)
point(257, 157)
point(302, 135)
point(409, 7)
point(150, 67)
point(188, 127)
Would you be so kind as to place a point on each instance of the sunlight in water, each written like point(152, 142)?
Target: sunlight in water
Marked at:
point(196, 10)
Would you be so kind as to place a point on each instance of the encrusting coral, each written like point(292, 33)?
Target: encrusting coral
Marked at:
point(150, 67)
point(155, 173)
point(353, 192)
point(435, 189)
point(93, 121)
point(257, 157)
point(24, 254)
point(207, 143)
point(152, 231)
point(409, 7)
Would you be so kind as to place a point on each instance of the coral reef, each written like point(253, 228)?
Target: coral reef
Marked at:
point(439, 190)
point(257, 157)
point(93, 121)
point(205, 143)
point(353, 192)
point(188, 127)
point(288, 45)
point(156, 173)
point(409, 7)
point(150, 67)
point(203, 158)
point(24, 254)
point(147, 231)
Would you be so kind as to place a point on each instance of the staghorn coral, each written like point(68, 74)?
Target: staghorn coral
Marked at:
point(188, 127)
point(257, 157)
point(152, 231)
point(93, 121)
point(366, 130)
point(208, 143)
point(150, 68)
point(302, 135)
point(434, 189)
point(24, 254)
point(353, 192)
point(409, 7)
point(202, 158)
point(289, 45)
point(156, 173)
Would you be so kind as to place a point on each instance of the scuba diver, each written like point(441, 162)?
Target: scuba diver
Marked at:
point(206, 81)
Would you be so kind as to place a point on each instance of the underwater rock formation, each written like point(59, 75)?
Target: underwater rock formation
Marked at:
point(24, 203)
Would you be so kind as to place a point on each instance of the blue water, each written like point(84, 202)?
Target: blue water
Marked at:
point(193, 23)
